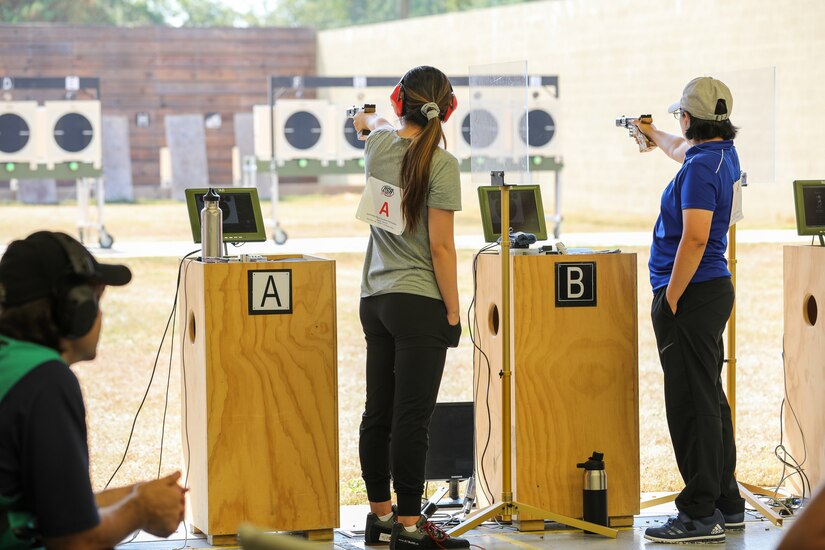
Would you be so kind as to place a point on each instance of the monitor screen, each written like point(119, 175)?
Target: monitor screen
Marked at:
point(451, 442)
point(242, 219)
point(526, 211)
point(809, 200)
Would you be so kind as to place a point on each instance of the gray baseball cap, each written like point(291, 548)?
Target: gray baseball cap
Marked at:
point(701, 98)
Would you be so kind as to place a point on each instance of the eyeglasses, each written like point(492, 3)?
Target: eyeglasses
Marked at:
point(677, 114)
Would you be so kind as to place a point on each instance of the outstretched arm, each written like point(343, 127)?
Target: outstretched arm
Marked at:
point(370, 121)
point(672, 145)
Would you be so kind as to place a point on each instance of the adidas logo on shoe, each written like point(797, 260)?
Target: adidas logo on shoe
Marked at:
point(717, 530)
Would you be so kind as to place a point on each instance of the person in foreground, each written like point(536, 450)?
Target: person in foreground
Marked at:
point(807, 532)
point(693, 299)
point(50, 318)
point(409, 305)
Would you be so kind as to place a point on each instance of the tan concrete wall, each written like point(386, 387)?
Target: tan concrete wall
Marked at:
point(616, 57)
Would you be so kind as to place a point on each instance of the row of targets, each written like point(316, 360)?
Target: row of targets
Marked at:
point(52, 133)
point(318, 129)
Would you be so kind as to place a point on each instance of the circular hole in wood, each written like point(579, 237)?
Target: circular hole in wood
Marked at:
point(192, 331)
point(810, 311)
point(493, 319)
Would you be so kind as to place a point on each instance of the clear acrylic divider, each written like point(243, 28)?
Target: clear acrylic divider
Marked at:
point(754, 113)
point(498, 122)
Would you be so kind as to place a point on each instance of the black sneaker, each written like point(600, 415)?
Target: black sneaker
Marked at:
point(684, 529)
point(734, 522)
point(427, 535)
point(377, 531)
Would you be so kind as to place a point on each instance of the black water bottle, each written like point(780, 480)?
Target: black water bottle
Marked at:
point(594, 494)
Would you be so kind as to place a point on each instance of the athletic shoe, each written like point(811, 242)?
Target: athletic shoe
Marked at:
point(684, 529)
point(734, 522)
point(427, 535)
point(377, 531)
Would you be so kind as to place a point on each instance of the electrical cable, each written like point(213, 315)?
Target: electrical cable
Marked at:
point(148, 387)
point(168, 379)
point(786, 459)
point(185, 410)
point(151, 377)
point(472, 323)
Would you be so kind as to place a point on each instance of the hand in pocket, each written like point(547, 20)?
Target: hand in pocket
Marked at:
point(454, 334)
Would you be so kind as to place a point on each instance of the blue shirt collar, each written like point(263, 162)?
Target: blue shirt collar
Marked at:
point(708, 147)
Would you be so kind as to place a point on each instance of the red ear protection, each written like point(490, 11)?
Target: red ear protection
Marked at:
point(397, 100)
point(451, 108)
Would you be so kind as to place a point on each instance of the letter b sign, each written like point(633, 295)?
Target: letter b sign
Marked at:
point(576, 284)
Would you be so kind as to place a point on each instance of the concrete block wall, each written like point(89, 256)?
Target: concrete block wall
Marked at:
point(624, 57)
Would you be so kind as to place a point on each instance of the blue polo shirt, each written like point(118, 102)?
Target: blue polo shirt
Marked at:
point(704, 182)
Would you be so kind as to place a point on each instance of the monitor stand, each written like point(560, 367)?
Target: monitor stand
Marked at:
point(449, 497)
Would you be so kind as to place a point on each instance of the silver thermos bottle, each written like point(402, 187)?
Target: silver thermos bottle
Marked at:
point(211, 227)
point(594, 494)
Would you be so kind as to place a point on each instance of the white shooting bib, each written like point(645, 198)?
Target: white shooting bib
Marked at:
point(736, 213)
point(380, 206)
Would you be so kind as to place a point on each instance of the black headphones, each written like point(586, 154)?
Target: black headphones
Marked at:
point(76, 303)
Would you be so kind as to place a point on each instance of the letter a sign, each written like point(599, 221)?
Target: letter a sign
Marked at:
point(270, 291)
point(576, 284)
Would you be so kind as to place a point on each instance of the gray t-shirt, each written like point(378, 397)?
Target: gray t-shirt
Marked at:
point(402, 263)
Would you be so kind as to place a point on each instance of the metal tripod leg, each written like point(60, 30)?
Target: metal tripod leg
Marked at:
point(278, 234)
point(515, 508)
point(103, 237)
point(747, 491)
point(83, 190)
point(657, 501)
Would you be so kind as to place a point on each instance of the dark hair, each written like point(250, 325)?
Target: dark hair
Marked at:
point(31, 322)
point(421, 85)
point(703, 130)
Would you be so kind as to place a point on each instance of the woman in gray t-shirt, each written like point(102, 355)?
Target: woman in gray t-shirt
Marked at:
point(409, 304)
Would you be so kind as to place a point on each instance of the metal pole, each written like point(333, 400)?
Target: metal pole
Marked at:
point(82, 188)
point(732, 329)
point(507, 484)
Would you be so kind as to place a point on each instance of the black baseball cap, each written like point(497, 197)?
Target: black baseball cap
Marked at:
point(37, 266)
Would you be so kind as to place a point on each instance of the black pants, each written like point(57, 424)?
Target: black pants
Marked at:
point(407, 340)
point(698, 415)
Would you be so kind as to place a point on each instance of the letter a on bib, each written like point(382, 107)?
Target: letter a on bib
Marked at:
point(380, 206)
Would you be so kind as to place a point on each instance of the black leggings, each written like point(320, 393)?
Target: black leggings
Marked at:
point(407, 339)
point(698, 414)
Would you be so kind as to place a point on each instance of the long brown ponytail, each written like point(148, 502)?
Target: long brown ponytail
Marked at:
point(420, 86)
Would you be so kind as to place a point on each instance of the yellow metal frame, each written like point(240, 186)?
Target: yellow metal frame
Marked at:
point(508, 508)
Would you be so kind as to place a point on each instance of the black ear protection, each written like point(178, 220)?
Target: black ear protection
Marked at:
point(76, 304)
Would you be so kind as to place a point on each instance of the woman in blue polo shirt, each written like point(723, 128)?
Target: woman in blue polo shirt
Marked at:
point(693, 299)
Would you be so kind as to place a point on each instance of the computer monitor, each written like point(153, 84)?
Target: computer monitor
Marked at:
point(450, 454)
point(242, 219)
point(809, 200)
point(526, 211)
